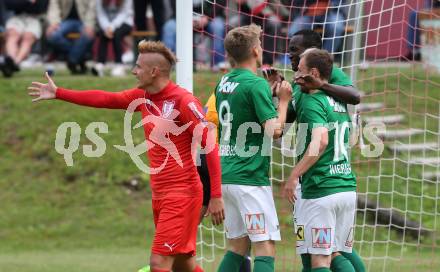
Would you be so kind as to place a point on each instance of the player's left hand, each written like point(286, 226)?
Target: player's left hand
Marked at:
point(289, 189)
point(216, 209)
point(309, 81)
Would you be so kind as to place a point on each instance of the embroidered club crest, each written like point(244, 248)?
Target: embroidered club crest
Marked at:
point(167, 108)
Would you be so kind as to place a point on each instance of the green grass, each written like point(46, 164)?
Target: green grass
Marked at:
point(83, 218)
point(75, 260)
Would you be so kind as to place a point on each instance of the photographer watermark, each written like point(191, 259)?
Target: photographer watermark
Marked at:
point(162, 128)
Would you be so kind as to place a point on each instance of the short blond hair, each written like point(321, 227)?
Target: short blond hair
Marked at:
point(158, 48)
point(240, 41)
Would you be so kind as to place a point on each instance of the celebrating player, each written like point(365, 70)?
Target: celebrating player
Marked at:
point(328, 185)
point(176, 189)
point(340, 87)
point(247, 121)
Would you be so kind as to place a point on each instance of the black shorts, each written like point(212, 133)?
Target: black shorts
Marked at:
point(204, 177)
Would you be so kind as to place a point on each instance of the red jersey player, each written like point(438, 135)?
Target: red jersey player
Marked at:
point(172, 117)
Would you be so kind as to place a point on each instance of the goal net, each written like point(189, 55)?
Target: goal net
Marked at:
point(391, 51)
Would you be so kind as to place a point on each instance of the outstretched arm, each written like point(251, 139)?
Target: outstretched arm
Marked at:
point(91, 98)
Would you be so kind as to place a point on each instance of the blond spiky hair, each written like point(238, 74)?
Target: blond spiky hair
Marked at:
point(158, 48)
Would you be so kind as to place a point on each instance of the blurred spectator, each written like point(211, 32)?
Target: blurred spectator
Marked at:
point(140, 10)
point(5, 69)
point(413, 35)
point(66, 16)
point(2, 16)
point(208, 17)
point(115, 19)
point(325, 14)
point(268, 14)
point(23, 29)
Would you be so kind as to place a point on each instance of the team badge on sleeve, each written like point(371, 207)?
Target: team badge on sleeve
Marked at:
point(193, 107)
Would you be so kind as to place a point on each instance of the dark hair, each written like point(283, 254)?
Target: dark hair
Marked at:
point(321, 60)
point(310, 38)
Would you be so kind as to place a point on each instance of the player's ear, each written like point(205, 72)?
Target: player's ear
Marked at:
point(255, 51)
point(315, 73)
point(155, 71)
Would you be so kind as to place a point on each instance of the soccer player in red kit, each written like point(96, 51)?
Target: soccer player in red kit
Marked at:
point(172, 118)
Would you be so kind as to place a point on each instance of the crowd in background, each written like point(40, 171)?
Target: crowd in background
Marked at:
point(43, 26)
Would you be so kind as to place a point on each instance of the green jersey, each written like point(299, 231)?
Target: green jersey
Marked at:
point(338, 77)
point(332, 172)
point(244, 103)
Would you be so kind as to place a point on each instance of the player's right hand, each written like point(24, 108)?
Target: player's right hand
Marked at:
point(284, 92)
point(216, 208)
point(289, 189)
point(43, 91)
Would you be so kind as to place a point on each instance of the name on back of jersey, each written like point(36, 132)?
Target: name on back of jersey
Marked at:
point(343, 169)
point(226, 86)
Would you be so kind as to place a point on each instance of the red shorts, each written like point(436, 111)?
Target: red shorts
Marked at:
point(176, 221)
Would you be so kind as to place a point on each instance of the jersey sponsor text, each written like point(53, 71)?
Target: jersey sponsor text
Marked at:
point(255, 223)
point(321, 237)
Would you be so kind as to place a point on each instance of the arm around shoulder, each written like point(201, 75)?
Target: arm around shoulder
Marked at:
point(347, 94)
